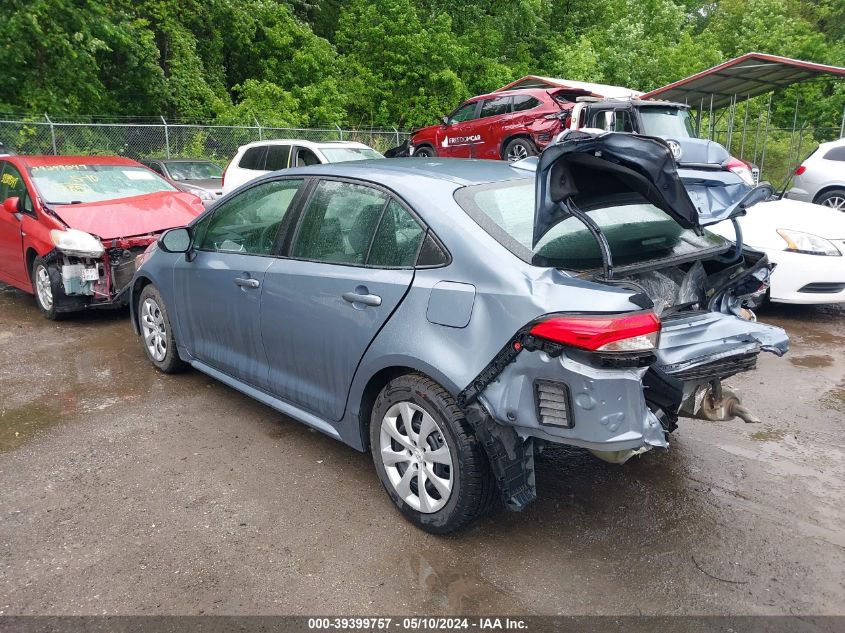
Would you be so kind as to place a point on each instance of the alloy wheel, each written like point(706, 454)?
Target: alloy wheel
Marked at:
point(154, 329)
point(44, 287)
point(835, 202)
point(416, 457)
point(517, 152)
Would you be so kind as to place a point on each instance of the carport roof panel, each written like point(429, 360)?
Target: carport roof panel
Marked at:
point(589, 89)
point(746, 76)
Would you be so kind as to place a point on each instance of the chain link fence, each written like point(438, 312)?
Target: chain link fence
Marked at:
point(171, 140)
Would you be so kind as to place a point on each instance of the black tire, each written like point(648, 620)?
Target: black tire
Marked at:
point(41, 267)
point(835, 198)
point(518, 148)
point(162, 340)
point(472, 484)
point(425, 151)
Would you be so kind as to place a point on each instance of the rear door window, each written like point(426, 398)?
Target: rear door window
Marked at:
point(253, 158)
point(339, 223)
point(495, 107)
point(249, 223)
point(524, 102)
point(277, 157)
point(397, 239)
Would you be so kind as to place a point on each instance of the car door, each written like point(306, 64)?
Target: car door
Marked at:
point(12, 262)
point(278, 157)
point(455, 139)
point(349, 266)
point(218, 287)
point(493, 116)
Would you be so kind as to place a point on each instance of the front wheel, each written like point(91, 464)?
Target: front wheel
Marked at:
point(519, 148)
point(157, 332)
point(834, 199)
point(426, 151)
point(45, 281)
point(427, 457)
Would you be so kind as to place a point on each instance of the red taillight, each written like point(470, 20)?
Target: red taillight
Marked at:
point(613, 333)
point(800, 170)
point(223, 177)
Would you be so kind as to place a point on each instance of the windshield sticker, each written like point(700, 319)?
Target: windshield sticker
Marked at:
point(58, 168)
point(9, 179)
point(139, 175)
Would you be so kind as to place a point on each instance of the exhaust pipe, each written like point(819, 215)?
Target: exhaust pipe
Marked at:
point(721, 403)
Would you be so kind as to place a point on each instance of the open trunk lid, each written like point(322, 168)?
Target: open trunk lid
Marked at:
point(586, 170)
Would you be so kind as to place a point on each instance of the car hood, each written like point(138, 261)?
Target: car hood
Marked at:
point(209, 184)
point(760, 224)
point(594, 170)
point(126, 217)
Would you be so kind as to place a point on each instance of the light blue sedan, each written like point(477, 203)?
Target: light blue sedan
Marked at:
point(451, 316)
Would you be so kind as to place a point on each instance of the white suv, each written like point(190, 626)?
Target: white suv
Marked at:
point(821, 177)
point(262, 157)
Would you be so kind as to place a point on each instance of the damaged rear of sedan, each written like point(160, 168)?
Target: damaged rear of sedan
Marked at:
point(72, 226)
point(454, 316)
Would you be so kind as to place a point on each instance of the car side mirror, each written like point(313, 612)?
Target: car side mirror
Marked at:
point(12, 205)
point(445, 121)
point(176, 240)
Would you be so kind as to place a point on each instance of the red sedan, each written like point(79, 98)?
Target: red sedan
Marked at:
point(503, 125)
point(72, 226)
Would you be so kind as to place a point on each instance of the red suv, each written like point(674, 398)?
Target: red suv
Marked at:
point(503, 125)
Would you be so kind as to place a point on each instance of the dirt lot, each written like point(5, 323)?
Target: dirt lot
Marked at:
point(127, 491)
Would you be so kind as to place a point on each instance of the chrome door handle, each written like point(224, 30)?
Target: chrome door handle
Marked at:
point(247, 283)
point(364, 299)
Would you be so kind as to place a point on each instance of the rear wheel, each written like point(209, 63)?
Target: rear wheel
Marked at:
point(519, 148)
point(156, 332)
point(427, 457)
point(834, 199)
point(425, 151)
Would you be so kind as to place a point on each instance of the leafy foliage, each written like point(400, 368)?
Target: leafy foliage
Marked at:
point(384, 62)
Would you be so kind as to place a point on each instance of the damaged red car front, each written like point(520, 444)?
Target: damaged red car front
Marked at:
point(72, 226)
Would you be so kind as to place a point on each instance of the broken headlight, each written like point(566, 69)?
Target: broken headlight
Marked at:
point(807, 243)
point(78, 243)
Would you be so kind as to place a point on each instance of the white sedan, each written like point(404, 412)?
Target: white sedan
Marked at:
point(806, 241)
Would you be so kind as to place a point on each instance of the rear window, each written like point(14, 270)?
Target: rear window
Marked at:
point(637, 233)
point(66, 184)
point(837, 153)
point(277, 157)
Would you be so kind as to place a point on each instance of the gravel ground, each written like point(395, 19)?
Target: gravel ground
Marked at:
point(125, 491)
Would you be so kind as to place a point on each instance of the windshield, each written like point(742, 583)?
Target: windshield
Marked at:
point(344, 154)
point(199, 170)
point(667, 122)
point(636, 233)
point(67, 184)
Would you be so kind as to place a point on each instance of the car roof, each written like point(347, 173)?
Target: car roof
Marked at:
point(305, 143)
point(830, 144)
point(532, 92)
point(458, 171)
point(49, 160)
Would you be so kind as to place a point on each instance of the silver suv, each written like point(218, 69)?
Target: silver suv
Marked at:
point(821, 177)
